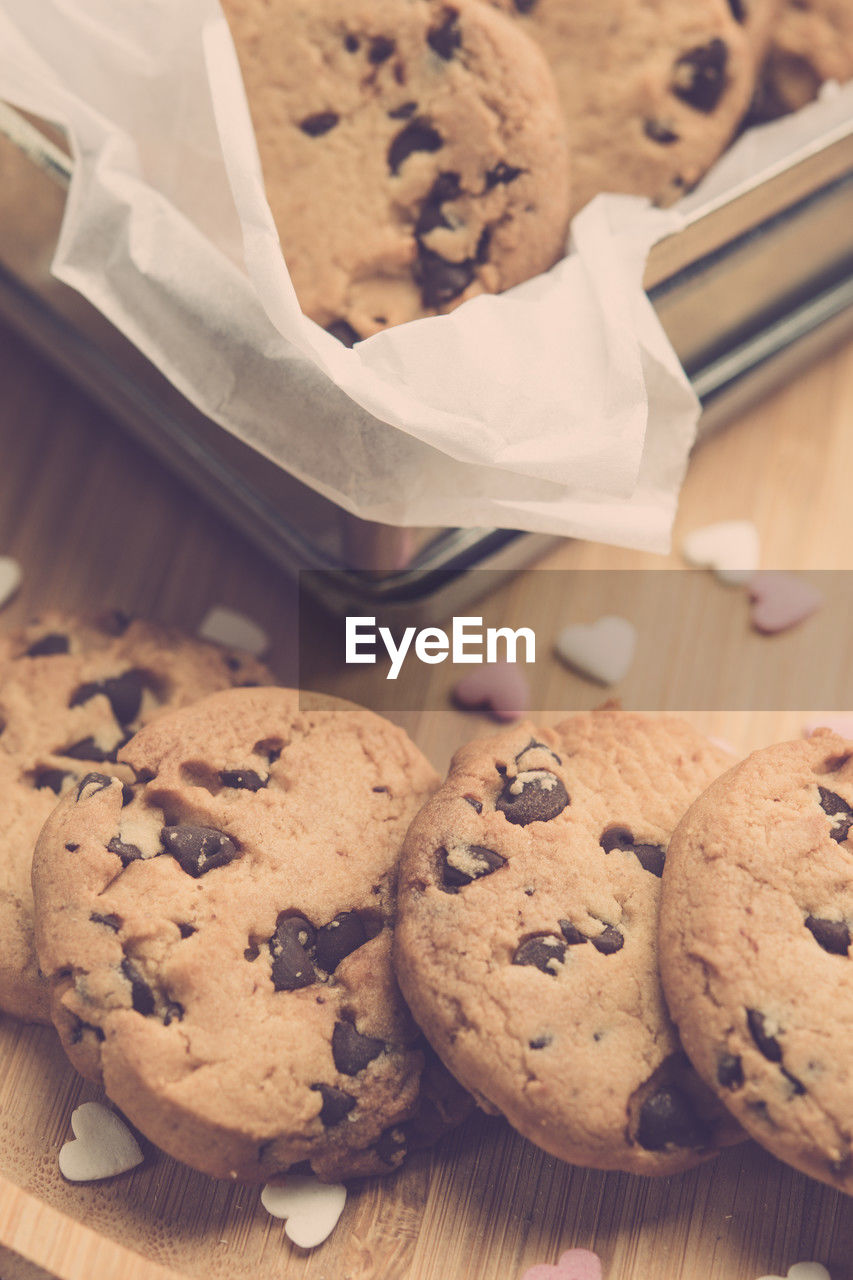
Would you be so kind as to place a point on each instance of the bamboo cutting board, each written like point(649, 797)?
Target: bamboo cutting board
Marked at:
point(95, 522)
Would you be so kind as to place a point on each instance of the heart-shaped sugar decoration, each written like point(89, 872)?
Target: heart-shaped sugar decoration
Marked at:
point(781, 600)
point(603, 651)
point(731, 548)
point(500, 687)
point(102, 1147)
point(10, 579)
point(311, 1208)
point(803, 1271)
point(577, 1264)
point(225, 626)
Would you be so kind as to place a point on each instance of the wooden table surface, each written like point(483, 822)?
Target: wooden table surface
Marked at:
point(96, 522)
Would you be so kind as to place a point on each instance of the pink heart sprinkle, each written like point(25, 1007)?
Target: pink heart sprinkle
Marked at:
point(781, 600)
point(500, 687)
point(577, 1264)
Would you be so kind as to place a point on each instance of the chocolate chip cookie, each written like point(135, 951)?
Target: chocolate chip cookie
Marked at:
point(414, 153)
point(71, 693)
point(652, 90)
point(812, 42)
point(756, 954)
point(218, 937)
point(526, 936)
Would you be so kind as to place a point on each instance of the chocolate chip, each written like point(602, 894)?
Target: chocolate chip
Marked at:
point(336, 1104)
point(72, 848)
point(48, 646)
point(832, 935)
point(500, 175)
point(290, 946)
point(92, 783)
point(479, 861)
point(439, 280)
point(418, 135)
point(651, 857)
point(174, 1012)
point(352, 1051)
point(767, 1044)
point(797, 1086)
point(344, 332)
point(700, 75)
point(532, 797)
point(315, 126)
point(111, 921)
point(127, 852)
point(124, 694)
point(738, 10)
point(199, 849)
point(390, 1146)
point(541, 1042)
point(126, 794)
point(88, 749)
point(481, 254)
point(836, 807)
point(242, 779)
point(524, 6)
point(79, 1026)
point(141, 995)
point(730, 1071)
point(381, 48)
point(50, 778)
point(476, 805)
point(404, 112)
point(659, 132)
point(351, 43)
point(667, 1120)
point(446, 38)
point(608, 942)
point(187, 930)
point(544, 953)
point(338, 939)
point(431, 215)
point(571, 933)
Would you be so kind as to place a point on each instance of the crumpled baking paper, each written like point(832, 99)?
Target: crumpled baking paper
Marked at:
point(558, 406)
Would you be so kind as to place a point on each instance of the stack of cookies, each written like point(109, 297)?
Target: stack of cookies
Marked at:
point(418, 153)
point(632, 950)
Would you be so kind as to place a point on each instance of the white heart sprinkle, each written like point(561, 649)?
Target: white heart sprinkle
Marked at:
point(803, 1271)
point(604, 650)
point(730, 548)
point(103, 1145)
point(228, 627)
point(10, 579)
point(311, 1208)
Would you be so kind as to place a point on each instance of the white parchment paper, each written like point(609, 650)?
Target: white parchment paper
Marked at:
point(558, 406)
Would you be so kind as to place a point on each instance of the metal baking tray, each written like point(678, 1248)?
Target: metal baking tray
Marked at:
point(753, 287)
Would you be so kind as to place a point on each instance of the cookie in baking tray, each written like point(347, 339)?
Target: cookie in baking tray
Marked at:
point(218, 934)
point(526, 941)
point(756, 953)
point(71, 692)
point(652, 90)
point(414, 153)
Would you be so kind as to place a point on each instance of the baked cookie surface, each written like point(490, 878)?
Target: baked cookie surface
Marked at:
point(414, 153)
point(71, 692)
point(526, 936)
point(652, 90)
point(812, 42)
point(218, 938)
point(756, 956)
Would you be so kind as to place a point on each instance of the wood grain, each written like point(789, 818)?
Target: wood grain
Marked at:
point(97, 523)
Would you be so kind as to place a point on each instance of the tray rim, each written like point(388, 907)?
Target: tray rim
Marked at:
point(37, 1234)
